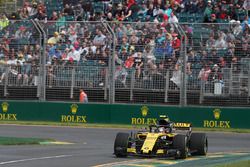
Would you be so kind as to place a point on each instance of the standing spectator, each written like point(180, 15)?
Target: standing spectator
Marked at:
point(213, 57)
point(210, 43)
point(129, 30)
point(119, 12)
point(4, 21)
point(221, 43)
point(235, 65)
point(193, 60)
point(245, 48)
point(53, 40)
point(124, 44)
point(222, 63)
point(204, 73)
point(132, 10)
point(61, 22)
point(237, 29)
point(133, 39)
point(208, 11)
point(40, 15)
point(246, 6)
point(150, 12)
point(201, 6)
point(123, 55)
point(173, 19)
point(109, 17)
point(148, 54)
point(68, 11)
point(73, 36)
point(83, 98)
point(32, 9)
point(99, 39)
point(54, 16)
point(79, 12)
point(4, 49)
point(138, 64)
point(24, 14)
point(19, 69)
point(213, 20)
point(176, 43)
point(215, 74)
point(50, 74)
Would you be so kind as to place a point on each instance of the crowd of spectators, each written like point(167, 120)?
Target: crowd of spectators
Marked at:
point(147, 36)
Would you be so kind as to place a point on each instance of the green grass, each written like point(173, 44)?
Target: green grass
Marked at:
point(115, 126)
point(21, 141)
point(236, 164)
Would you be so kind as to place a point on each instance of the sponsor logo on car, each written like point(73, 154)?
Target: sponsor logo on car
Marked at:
point(143, 120)
point(182, 125)
point(217, 123)
point(73, 117)
point(7, 117)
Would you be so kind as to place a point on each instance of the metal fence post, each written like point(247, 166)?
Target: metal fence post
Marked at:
point(166, 86)
point(132, 85)
point(73, 73)
point(40, 53)
point(111, 64)
point(202, 89)
point(42, 69)
point(41, 89)
point(106, 85)
point(6, 81)
point(183, 51)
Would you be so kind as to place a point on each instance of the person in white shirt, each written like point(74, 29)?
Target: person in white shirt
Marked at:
point(99, 39)
point(221, 43)
point(12, 61)
point(173, 19)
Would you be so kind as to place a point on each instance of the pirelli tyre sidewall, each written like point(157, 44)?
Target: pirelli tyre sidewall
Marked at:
point(180, 143)
point(121, 144)
point(198, 144)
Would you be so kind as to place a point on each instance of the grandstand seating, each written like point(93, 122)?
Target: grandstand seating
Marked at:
point(90, 70)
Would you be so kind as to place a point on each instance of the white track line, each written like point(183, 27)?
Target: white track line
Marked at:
point(33, 159)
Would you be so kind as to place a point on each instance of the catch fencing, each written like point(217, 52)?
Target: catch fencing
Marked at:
point(117, 62)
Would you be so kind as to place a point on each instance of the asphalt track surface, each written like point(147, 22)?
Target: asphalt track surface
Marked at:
point(94, 147)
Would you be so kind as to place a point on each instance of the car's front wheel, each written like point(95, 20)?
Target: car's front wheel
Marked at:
point(121, 144)
point(180, 143)
point(198, 144)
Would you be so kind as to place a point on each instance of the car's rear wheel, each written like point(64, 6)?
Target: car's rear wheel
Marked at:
point(198, 144)
point(180, 143)
point(121, 144)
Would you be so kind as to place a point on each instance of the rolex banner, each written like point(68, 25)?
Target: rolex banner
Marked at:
point(137, 115)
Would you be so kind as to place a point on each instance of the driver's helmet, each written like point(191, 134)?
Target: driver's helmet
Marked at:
point(165, 123)
point(164, 120)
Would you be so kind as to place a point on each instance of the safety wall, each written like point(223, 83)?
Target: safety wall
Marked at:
point(209, 117)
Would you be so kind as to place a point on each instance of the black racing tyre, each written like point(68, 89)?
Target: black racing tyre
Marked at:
point(180, 143)
point(121, 144)
point(198, 144)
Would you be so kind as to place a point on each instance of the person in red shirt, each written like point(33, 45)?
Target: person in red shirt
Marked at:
point(176, 43)
point(83, 98)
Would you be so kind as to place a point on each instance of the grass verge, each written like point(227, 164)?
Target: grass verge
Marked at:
point(245, 163)
point(22, 141)
point(34, 123)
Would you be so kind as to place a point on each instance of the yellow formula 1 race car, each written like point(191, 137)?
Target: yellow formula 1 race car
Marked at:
point(165, 139)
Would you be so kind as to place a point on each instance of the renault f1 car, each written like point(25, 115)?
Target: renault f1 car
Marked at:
point(165, 139)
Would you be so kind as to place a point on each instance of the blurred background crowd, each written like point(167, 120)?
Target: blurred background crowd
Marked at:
point(147, 38)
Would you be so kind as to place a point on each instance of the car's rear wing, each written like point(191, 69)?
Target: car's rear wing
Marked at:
point(182, 126)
